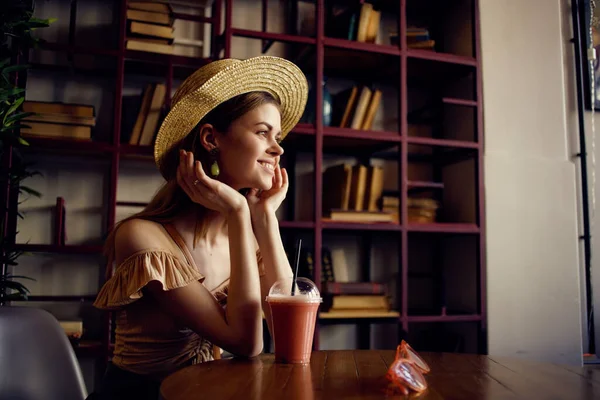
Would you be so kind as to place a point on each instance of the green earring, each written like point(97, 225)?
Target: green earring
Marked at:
point(214, 169)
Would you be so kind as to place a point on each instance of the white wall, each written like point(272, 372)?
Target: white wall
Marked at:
point(533, 285)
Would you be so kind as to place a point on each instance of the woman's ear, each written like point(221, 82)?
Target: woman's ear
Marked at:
point(208, 137)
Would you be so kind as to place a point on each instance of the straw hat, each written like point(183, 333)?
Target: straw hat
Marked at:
point(222, 80)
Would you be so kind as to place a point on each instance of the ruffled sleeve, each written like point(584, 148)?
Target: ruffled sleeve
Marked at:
point(135, 272)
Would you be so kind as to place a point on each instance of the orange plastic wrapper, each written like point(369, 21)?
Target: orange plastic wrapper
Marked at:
point(406, 372)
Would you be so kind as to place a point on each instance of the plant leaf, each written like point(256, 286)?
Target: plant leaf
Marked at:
point(15, 286)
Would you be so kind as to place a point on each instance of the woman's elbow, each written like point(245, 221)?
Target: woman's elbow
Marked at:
point(250, 350)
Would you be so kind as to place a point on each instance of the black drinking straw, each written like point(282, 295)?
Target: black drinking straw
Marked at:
point(297, 261)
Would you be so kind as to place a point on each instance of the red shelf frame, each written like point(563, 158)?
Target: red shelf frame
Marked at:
point(221, 41)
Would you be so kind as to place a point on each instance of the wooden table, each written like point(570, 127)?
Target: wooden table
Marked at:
point(360, 374)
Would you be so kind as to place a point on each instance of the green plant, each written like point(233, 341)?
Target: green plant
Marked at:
point(17, 30)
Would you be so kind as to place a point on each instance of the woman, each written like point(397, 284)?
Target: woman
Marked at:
point(194, 267)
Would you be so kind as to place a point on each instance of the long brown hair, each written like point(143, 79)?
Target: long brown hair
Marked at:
point(170, 200)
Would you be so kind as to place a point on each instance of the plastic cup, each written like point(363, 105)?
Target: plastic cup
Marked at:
point(293, 319)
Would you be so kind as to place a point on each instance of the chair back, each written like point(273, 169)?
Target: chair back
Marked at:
point(37, 362)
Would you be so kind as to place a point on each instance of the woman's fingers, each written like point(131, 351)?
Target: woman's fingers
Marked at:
point(284, 177)
point(190, 166)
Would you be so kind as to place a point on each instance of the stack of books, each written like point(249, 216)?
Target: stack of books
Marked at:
point(150, 27)
point(58, 120)
point(418, 38)
point(359, 22)
point(354, 110)
point(353, 194)
point(356, 299)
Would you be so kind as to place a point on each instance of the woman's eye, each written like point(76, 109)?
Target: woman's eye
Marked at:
point(262, 132)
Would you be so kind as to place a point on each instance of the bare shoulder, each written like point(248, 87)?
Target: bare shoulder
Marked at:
point(137, 235)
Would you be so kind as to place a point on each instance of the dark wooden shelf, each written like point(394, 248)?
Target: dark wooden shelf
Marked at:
point(360, 46)
point(191, 17)
point(64, 146)
point(459, 102)
point(131, 204)
point(431, 69)
point(128, 149)
point(296, 224)
point(279, 37)
point(378, 136)
point(303, 129)
point(442, 142)
point(65, 48)
point(444, 318)
point(80, 299)
point(90, 348)
point(351, 226)
point(444, 228)
point(351, 141)
point(421, 185)
point(66, 249)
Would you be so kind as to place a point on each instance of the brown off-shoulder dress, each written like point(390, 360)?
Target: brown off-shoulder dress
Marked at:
point(149, 341)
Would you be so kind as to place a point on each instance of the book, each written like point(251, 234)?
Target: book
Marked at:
point(148, 16)
point(367, 122)
point(66, 119)
point(47, 107)
point(152, 30)
point(149, 46)
point(57, 131)
point(153, 115)
point(373, 26)
point(357, 188)
point(337, 179)
point(134, 138)
point(350, 107)
point(338, 288)
point(361, 108)
point(363, 22)
point(358, 302)
point(163, 8)
point(374, 187)
point(359, 216)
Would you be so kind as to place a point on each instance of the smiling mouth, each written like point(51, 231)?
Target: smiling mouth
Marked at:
point(267, 166)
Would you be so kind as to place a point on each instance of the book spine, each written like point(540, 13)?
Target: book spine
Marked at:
point(339, 288)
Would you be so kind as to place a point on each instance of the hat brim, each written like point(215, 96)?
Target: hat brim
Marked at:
point(277, 76)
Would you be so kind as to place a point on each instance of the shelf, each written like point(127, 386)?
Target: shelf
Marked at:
point(420, 185)
point(359, 142)
point(444, 228)
point(361, 314)
point(303, 129)
point(351, 226)
point(432, 69)
point(56, 249)
point(361, 46)
point(440, 151)
point(442, 142)
point(459, 102)
point(191, 17)
point(296, 225)
point(90, 348)
point(444, 318)
point(65, 48)
point(81, 299)
point(279, 37)
point(135, 150)
point(63, 146)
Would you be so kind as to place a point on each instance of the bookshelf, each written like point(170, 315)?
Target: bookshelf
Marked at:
point(437, 268)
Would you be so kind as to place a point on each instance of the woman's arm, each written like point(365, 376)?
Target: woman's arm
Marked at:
point(276, 263)
point(239, 328)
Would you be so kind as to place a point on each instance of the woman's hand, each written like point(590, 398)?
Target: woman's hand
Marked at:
point(269, 200)
point(204, 190)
